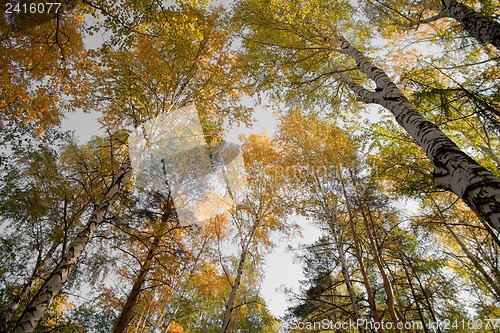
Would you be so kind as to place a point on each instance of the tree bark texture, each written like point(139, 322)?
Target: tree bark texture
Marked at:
point(475, 24)
point(454, 170)
point(24, 294)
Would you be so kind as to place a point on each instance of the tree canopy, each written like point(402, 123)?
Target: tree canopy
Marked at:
point(387, 141)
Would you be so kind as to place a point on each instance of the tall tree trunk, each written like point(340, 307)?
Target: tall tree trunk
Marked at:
point(453, 169)
point(127, 311)
point(396, 317)
point(426, 296)
point(345, 270)
point(53, 285)
point(474, 23)
point(237, 280)
point(359, 254)
point(35, 276)
point(495, 287)
point(234, 290)
point(414, 295)
point(391, 300)
point(366, 281)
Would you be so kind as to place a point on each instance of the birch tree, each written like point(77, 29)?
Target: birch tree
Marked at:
point(454, 86)
point(464, 240)
point(322, 58)
point(119, 168)
point(194, 52)
point(184, 65)
point(453, 169)
point(260, 214)
point(40, 211)
point(358, 260)
point(320, 188)
point(334, 198)
point(481, 25)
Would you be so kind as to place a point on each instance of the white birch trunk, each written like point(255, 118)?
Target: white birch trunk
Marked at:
point(230, 306)
point(474, 23)
point(234, 290)
point(24, 294)
point(37, 307)
point(339, 244)
point(454, 170)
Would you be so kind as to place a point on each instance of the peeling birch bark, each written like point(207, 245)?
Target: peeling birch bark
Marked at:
point(53, 285)
point(454, 170)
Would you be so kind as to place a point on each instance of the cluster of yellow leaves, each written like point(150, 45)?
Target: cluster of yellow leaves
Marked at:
point(187, 62)
point(323, 144)
point(266, 204)
point(44, 71)
point(96, 162)
point(176, 328)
